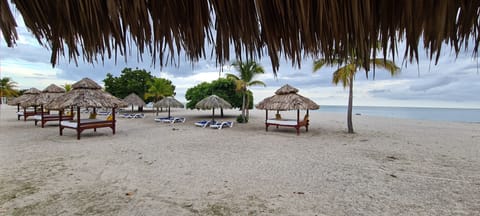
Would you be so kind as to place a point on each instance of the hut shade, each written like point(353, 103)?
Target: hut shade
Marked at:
point(134, 100)
point(169, 102)
point(294, 29)
point(28, 96)
point(287, 101)
point(212, 102)
point(85, 93)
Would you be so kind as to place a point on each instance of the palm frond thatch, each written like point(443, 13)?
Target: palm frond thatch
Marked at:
point(85, 93)
point(251, 28)
point(134, 100)
point(168, 102)
point(286, 98)
point(212, 102)
point(24, 97)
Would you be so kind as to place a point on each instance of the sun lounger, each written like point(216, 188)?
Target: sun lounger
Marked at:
point(171, 120)
point(136, 115)
point(203, 123)
point(163, 119)
point(220, 125)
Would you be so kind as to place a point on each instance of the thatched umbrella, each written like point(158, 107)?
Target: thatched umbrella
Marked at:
point(168, 102)
point(212, 102)
point(294, 29)
point(286, 98)
point(48, 94)
point(134, 100)
point(21, 101)
point(28, 95)
point(86, 93)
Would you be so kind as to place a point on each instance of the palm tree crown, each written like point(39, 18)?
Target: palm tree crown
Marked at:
point(247, 71)
point(346, 75)
point(7, 86)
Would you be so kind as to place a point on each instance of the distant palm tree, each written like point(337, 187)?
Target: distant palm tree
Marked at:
point(158, 89)
point(247, 71)
point(346, 75)
point(67, 87)
point(7, 86)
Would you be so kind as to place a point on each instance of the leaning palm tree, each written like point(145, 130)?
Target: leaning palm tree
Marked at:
point(159, 88)
point(7, 86)
point(247, 71)
point(346, 75)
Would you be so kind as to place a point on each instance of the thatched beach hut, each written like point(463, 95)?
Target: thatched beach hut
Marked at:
point(88, 94)
point(49, 94)
point(23, 101)
point(169, 102)
point(287, 98)
point(134, 100)
point(212, 102)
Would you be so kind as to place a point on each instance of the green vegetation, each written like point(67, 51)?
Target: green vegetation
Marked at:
point(7, 88)
point(130, 81)
point(346, 75)
point(140, 82)
point(222, 87)
point(247, 71)
point(159, 88)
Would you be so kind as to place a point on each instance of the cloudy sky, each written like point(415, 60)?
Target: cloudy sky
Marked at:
point(453, 82)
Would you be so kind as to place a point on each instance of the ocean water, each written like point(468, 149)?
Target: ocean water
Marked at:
point(433, 114)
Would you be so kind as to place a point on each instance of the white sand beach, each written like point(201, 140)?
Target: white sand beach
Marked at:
point(389, 167)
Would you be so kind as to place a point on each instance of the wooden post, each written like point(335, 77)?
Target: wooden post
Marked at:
point(60, 112)
point(24, 114)
point(41, 114)
point(113, 119)
point(78, 123)
point(266, 119)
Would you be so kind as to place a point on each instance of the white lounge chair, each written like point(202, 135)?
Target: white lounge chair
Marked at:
point(163, 119)
point(220, 125)
point(203, 123)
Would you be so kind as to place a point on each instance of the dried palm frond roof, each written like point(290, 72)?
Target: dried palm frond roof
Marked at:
point(134, 99)
point(48, 94)
point(286, 98)
point(252, 28)
point(169, 102)
point(25, 96)
point(213, 101)
point(28, 95)
point(86, 93)
point(52, 88)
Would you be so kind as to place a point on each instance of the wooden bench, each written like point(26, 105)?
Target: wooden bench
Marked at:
point(288, 123)
point(84, 124)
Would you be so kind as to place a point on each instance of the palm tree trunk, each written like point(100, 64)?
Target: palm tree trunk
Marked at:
point(350, 106)
point(243, 107)
point(247, 106)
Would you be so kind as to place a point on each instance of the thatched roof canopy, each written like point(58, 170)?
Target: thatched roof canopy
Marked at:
point(253, 28)
point(212, 102)
point(28, 95)
point(86, 93)
point(168, 102)
point(286, 89)
point(134, 100)
point(48, 94)
point(52, 88)
point(286, 98)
